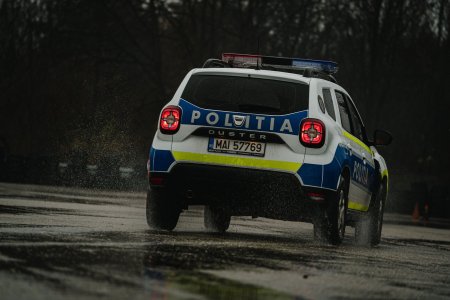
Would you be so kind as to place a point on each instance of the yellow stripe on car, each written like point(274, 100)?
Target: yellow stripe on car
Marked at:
point(356, 140)
point(357, 206)
point(236, 161)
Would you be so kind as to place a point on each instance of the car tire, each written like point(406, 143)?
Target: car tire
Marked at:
point(329, 225)
point(368, 229)
point(216, 219)
point(162, 212)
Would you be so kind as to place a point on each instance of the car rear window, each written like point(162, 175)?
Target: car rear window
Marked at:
point(246, 94)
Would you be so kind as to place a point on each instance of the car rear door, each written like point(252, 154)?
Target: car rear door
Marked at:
point(362, 166)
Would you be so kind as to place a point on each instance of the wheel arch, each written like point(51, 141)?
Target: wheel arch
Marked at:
point(346, 174)
point(382, 176)
point(385, 183)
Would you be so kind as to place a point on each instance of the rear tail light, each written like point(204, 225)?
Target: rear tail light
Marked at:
point(170, 120)
point(312, 133)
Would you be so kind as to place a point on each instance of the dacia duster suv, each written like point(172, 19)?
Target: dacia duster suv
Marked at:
point(267, 137)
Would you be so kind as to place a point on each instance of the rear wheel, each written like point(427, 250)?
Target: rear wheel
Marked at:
point(329, 224)
point(216, 219)
point(162, 212)
point(368, 229)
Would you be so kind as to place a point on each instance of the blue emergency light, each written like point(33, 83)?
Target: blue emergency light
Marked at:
point(326, 66)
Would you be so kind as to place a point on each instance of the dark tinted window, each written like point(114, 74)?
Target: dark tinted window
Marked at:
point(343, 111)
point(246, 94)
point(329, 103)
point(357, 128)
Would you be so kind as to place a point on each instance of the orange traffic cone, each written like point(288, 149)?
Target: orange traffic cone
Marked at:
point(416, 213)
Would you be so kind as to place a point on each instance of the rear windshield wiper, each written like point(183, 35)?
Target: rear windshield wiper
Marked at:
point(252, 108)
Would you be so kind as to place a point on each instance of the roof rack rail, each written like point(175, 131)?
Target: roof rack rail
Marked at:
point(322, 69)
point(313, 73)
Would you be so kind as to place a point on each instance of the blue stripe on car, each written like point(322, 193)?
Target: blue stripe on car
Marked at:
point(311, 174)
point(160, 160)
point(266, 123)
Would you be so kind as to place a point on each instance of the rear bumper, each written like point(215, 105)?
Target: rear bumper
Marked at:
point(241, 191)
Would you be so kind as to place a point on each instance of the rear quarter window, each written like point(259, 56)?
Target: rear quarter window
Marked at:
point(246, 94)
point(329, 103)
point(343, 111)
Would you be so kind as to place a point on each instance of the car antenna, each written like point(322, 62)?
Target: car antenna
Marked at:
point(258, 66)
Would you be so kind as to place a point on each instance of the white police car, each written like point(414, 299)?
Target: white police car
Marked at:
point(272, 137)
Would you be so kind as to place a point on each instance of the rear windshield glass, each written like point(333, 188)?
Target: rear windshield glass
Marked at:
point(246, 94)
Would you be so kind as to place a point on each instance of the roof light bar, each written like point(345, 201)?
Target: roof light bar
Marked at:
point(329, 67)
point(250, 60)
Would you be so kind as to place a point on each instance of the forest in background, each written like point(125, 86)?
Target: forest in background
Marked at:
point(89, 77)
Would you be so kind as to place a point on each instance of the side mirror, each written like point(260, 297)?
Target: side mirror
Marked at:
point(381, 138)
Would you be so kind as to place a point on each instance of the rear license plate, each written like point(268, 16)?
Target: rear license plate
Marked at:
point(236, 147)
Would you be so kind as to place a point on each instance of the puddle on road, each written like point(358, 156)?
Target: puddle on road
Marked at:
point(12, 209)
point(174, 265)
point(61, 198)
point(160, 269)
point(211, 287)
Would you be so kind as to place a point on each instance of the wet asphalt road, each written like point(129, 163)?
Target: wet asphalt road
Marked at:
point(71, 243)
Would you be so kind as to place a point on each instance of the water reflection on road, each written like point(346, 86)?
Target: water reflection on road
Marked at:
point(71, 243)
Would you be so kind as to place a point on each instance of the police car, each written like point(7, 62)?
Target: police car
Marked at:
point(274, 137)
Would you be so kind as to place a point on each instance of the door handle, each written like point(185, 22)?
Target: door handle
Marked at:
point(349, 148)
